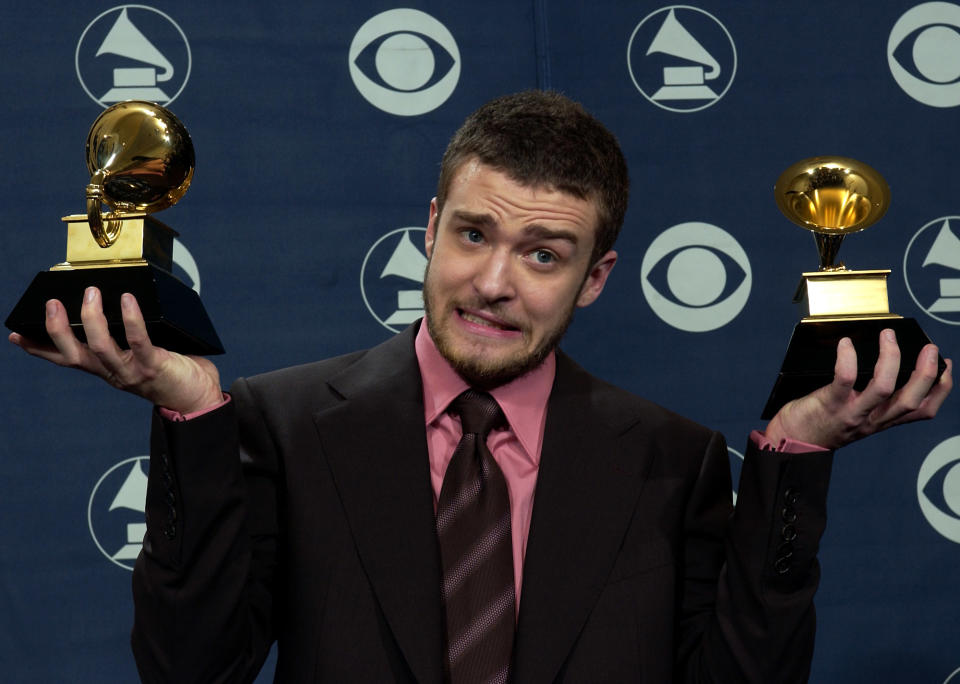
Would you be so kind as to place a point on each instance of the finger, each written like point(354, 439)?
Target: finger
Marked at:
point(71, 351)
point(934, 399)
point(43, 350)
point(113, 361)
point(941, 389)
point(911, 396)
point(97, 331)
point(923, 378)
point(844, 373)
point(135, 329)
point(884, 381)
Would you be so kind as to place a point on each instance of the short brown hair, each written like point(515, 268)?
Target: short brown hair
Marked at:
point(544, 138)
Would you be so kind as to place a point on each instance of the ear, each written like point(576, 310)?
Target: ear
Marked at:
point(596, 279)
point(431, 227)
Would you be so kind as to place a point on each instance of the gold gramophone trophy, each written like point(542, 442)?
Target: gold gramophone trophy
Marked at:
point(141, 160)
point(833, 197)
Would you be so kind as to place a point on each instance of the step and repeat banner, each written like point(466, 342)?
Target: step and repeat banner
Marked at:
point(318, 130)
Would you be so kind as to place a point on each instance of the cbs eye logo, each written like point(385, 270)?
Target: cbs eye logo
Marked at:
point(696, 277)
point(404, 62)
point(938, 488)
point(924, 53)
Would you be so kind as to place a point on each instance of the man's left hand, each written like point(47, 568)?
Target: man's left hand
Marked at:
point(837, 414)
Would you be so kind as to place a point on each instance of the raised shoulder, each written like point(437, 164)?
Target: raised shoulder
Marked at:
point(624, 412)
point(301, 381)
point(388, 367)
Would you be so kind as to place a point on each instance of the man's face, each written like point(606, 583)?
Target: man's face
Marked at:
point(508, 264)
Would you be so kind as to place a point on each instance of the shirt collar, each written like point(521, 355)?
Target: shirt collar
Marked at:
point(523, 400)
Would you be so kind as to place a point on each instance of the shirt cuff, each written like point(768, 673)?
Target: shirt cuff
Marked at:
point(786, 445)
point(177, 417)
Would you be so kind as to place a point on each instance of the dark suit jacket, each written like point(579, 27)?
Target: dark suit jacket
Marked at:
point(321, 535)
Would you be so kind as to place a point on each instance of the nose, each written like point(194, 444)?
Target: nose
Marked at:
point(494, 278)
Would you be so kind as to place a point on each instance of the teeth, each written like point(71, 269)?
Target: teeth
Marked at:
point(480, 321)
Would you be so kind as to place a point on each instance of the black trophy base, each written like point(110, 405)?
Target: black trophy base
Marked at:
point(174, 314)
point(812, 354)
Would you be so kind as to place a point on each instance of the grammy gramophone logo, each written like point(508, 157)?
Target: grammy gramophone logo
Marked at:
point(133, 52)
point(115, 511)
point(931, 267)
point(681, 58)
point(391, 278)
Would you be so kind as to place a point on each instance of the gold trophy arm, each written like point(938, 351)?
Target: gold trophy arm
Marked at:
point(105, 232)
point(828, 245)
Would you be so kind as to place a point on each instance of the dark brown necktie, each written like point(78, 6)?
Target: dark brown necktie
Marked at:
point(476, 550)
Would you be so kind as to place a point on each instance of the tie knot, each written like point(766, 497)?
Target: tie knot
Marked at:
point(479, 412)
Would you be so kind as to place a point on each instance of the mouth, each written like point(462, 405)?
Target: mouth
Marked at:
point(486, 321)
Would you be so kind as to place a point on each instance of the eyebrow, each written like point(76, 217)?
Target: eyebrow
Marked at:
point(535, 230)
point(545, 233)
point(485, 220)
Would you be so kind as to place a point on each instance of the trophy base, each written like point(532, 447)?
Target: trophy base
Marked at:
point(174, 314)
point(812, 354)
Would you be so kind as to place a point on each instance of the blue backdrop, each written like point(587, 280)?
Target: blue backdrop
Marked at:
point(318, 130)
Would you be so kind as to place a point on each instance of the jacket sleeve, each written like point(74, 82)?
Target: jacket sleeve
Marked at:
point(754, 621)
point(203, 586)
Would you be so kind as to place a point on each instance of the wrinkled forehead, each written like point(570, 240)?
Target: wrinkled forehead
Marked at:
point(474, 180)
point(469, 169)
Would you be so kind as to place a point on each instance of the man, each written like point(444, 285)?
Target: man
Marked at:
point(314, 504)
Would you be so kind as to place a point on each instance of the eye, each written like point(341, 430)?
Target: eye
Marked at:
point(696, 277)
point(923, 53)
point(938, 488)
point(473, 235)
point(930, 53)
point(943, 489)
point(404, 62)
point(543, 256)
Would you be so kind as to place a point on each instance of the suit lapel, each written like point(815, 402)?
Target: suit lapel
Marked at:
point(587, 489)
point(374, 441)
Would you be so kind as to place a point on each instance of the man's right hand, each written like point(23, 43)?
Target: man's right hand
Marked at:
point(173, 381)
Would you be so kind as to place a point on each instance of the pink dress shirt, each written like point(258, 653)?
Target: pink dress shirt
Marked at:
point(516, 449)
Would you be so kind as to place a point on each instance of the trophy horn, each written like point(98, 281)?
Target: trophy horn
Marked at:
point(141, 160)
point(832, 197)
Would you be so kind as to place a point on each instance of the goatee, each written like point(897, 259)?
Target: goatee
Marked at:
point(477, 372)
